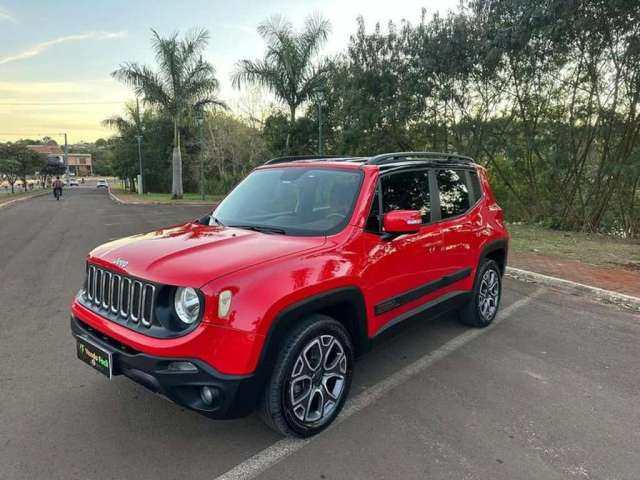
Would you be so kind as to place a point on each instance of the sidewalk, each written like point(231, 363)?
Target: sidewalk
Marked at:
point(620, 280)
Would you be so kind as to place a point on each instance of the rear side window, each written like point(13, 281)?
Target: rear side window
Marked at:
point(476, 189)
point(454, 193)
point(407, 191)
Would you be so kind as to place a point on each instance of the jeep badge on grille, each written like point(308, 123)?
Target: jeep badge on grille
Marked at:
point(121, 262)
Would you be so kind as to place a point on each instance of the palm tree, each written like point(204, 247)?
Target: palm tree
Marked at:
point(133, 121)
point(288, 69)
point(183, 83)
point(131, 125)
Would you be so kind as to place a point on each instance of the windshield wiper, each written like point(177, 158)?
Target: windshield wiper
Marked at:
point(261, 229)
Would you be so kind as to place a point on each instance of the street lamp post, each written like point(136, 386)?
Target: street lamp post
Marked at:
point(66, 156)
point(140, 180)
point(320, 100)
point(200, 120)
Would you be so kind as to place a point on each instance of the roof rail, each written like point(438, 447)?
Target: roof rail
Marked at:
point(293, 158)
point(392, 157)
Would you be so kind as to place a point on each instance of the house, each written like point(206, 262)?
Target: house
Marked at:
point(49, 149)
point(80, 163)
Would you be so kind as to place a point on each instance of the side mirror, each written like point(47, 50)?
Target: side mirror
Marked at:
point(402, 221)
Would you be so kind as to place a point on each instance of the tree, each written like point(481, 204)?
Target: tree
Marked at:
point(132, 122)
point(49, 171)
point(544, 94)
point(288, 69)
point(19, 161)
point(302, 135)
point(128, 126)
point(231, 149)
point(10, 168)
point(183, 83)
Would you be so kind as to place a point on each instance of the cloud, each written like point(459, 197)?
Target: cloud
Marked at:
point(41, 47)
point(5, 16)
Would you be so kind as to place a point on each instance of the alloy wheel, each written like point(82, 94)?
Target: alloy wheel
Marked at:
point(489, 294)
point(318, 379)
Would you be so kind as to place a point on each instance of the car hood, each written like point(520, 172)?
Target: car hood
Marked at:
point(193, 254)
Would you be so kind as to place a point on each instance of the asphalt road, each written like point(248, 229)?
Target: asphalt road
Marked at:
point(551, 392)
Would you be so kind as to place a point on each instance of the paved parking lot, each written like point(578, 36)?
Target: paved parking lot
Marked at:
point(551, 391)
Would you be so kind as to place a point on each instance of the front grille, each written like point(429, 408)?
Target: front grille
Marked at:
point(117, 295)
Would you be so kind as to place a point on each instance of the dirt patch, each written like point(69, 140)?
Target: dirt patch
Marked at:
point(615, 278)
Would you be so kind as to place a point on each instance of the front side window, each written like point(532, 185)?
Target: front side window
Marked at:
point(407, 191)
point(292, 200)
point(454, 193)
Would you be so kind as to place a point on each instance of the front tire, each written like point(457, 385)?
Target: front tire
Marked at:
point(311, 378)
point(482, 308)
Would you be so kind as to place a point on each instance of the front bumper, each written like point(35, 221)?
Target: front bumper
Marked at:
point(235, 395)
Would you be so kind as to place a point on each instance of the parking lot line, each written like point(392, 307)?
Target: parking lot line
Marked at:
point(273, 454)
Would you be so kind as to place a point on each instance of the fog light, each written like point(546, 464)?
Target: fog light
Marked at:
point(208, 395)
point(182, 367)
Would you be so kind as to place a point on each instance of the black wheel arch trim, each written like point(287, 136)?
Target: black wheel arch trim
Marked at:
point(494, 246)
point(321, 303)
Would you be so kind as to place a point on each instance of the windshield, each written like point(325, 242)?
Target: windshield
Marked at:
point(292, 201)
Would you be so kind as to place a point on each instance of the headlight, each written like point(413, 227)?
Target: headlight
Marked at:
point(187, 303)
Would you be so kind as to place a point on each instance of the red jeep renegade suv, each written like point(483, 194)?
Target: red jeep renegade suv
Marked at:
point(266, 302)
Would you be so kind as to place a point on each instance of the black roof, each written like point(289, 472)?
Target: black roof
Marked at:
point(312, 158)
point(387, 160)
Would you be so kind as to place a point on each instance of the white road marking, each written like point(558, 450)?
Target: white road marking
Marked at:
point(273, 454)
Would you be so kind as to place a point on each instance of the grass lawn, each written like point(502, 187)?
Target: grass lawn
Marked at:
point(163, 197)
point(8, 196)
point(595, 249)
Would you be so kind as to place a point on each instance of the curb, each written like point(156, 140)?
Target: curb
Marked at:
point(113, 197)
point(117, 199)
point(616, 298)
point(22, 199)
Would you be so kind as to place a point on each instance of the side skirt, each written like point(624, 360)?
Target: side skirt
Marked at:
point(440, 305)
point(433, 286)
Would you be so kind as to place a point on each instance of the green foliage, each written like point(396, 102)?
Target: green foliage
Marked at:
point(120, 157)
point(9, 171)
point(303, 135)
point(545, 95)
point(231, 150)
point(19, 162)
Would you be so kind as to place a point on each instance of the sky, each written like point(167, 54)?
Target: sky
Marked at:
point(56, 58)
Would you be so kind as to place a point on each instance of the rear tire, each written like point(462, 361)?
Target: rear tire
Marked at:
point(311, 378)
point(482, 308)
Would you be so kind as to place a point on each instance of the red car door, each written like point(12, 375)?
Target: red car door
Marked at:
point(401, 272)
point(458, 223)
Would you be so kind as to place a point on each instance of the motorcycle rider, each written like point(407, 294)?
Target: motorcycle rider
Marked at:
point(57, 188)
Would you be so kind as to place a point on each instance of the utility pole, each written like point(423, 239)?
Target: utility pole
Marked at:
point(140, 181)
